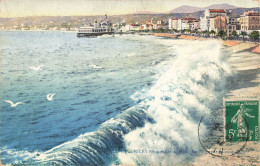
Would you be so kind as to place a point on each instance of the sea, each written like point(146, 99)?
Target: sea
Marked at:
point(126, 99)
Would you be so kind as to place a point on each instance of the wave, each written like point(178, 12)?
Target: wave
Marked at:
point(192, 86)
point(165, 118)
point(95, 148)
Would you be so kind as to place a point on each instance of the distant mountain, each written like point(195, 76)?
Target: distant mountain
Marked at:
point(144, 12)
point(221, 6)
point(185, 9)
point(192, 9)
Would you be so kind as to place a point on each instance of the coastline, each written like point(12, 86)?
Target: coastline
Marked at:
point(236, 46)
point(244, 59)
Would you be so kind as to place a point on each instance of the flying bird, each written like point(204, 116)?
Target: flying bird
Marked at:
point(96, 67)
point(12, 104)
point(36, 67)
point(50, 96)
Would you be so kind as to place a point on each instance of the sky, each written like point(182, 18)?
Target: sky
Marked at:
point(23, 8)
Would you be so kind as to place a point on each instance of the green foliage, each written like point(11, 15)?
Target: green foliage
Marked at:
point(174, 30)
point(212, 32)
point(254, 35)
point(222, 34)
point(160, 30)
point(234, 33)
point(243, 33)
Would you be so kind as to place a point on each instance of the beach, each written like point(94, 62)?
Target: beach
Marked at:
point(245, 60)
point(236, 46)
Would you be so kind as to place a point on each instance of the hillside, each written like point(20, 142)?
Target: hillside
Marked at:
point(75, 21)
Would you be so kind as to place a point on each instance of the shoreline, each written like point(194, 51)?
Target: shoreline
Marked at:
point(240, 45)
point(244, 59)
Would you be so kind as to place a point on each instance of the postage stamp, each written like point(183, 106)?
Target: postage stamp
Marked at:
point(241, 119)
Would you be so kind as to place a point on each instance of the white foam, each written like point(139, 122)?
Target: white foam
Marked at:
point(182, 94)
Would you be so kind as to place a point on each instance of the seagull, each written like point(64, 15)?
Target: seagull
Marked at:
point(50, 96)
point(36, 67)
point(96, 67)
point(12, 104)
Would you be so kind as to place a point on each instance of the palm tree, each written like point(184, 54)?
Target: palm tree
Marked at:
point(243, 33)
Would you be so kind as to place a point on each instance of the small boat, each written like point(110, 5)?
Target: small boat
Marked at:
point(96, 29)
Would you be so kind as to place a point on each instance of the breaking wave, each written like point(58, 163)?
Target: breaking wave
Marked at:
point(165, 118)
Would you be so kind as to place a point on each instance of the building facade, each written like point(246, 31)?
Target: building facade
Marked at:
point(250, 21)
point(173, 23)
point(206, 23)
point(232, 25)
point(220, 23)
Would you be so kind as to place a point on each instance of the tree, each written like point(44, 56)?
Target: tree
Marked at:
point(212, 32)
point(234, 33)
point(243, 33)
point(175, 30)
point(187, 30)
point(254, 35)
point(160, 30)
point(204, 32)
point(207, 33)
point(183, 30)
point(222, 34)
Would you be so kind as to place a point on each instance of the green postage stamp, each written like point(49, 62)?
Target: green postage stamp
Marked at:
point(241, 119)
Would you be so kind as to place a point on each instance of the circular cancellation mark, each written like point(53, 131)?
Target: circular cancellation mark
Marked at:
point(215, 139)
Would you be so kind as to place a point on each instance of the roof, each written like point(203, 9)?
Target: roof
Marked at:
point(253, 14)
point(189, 19)
point(217, 11)
point(134, 24)
point(174, 18)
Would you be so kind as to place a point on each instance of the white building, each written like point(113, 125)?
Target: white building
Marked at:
point(207, 24)
point(173, 23)
point(185, 23)
point(132, 27)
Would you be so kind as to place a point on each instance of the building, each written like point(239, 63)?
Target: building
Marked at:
point(144, 27)
point(173, 23)
point(232, 25)
point(250, 21)
point(186, 23)
point(214, 12)
point(132, 27)
point(212, 24)
point(196, 25)
point(206, 23)
point(220, 23)
point(161, 25)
